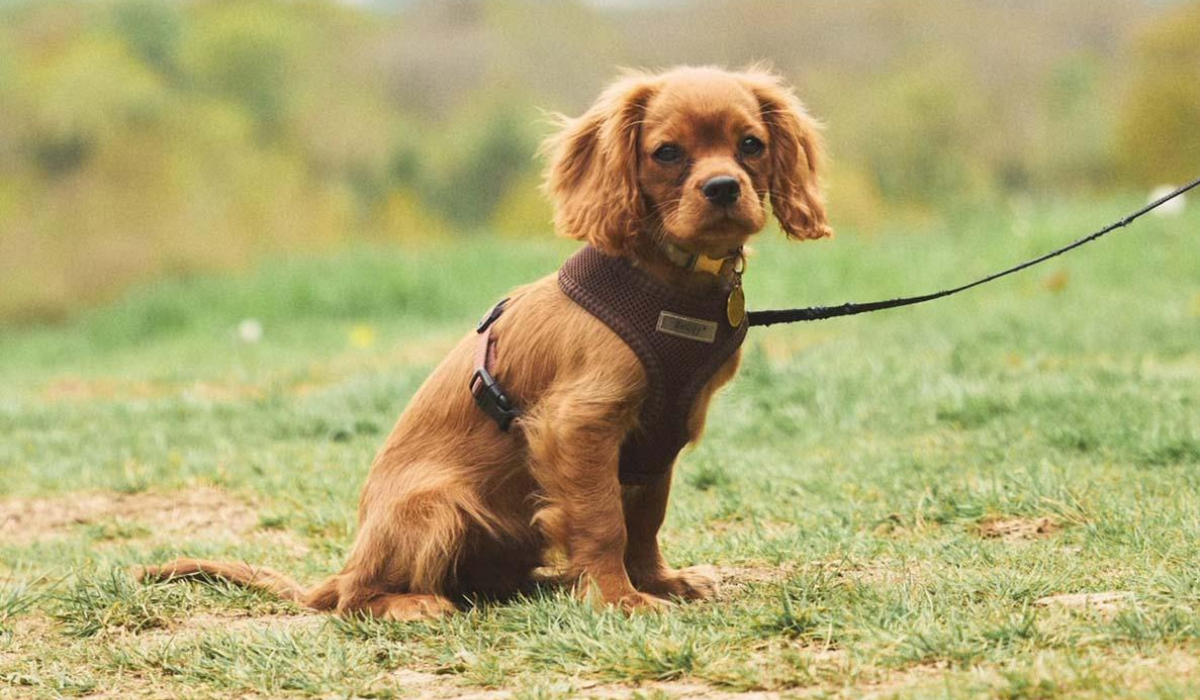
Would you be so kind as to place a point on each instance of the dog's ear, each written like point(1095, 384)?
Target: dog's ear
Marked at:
point(797, 158)
point(592, 177)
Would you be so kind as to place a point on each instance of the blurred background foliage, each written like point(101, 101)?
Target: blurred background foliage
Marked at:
point(149, 138)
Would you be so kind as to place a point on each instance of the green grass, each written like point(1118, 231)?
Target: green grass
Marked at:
point(846, 483)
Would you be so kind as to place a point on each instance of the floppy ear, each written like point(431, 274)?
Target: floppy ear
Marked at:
point(797, 158)
point(592, 178)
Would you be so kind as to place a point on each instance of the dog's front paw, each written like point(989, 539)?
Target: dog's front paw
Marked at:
point(638, 602)
point(691, 583)
point(622, 598)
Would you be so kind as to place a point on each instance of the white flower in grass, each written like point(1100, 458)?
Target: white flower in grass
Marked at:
point(250, 331)
point(1170, 209)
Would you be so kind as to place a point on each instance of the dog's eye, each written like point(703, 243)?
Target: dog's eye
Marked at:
point(751, 146)
point(668, 153)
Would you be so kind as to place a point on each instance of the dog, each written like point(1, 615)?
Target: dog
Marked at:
point(665, 178)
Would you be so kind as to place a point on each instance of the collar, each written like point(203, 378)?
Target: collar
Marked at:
point(683, 258)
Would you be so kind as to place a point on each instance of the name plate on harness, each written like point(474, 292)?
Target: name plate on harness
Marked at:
point(685, 327)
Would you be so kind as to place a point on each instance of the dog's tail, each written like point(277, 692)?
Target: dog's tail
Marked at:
point(323, 597)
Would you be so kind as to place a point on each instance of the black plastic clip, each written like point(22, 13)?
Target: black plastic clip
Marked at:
point(491, 399)
point(490, 317)
point(489, 395)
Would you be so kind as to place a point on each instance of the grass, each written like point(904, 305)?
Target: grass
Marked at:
point(849, 484)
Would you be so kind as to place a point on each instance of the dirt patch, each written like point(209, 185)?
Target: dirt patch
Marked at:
point(33, 626)
point(1017, 529)
point(736, 578)
point(1105, 601)
point(233, 622)
point(195, 514)
point(429, 686)
point(76, 389)
point(742, 575)
point(731, 579)
point(670, 689)
point(889, 684)
point(875, 573)
point(198, 624)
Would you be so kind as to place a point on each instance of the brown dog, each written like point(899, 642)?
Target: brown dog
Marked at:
point(679, 161)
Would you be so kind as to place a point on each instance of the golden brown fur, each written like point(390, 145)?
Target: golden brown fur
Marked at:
point(455, 507)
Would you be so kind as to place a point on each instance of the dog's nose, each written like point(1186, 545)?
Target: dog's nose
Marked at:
point(721, 190)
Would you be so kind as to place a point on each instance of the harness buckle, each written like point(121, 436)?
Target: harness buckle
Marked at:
point(485, 388)
point(490, 317)
point(491, 399)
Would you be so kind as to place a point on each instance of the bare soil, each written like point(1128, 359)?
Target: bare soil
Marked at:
point(202, 513)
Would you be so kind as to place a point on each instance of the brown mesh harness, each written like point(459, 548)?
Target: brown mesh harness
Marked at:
point(681, 340)
point(635, 306)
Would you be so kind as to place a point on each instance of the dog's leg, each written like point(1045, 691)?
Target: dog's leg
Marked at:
point(401, 562)
point(574, 442)
point(497, 569)
point(398, 568)
point(645, 509)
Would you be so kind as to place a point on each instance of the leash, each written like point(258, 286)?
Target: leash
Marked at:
point(816, 313)
point(492, 399)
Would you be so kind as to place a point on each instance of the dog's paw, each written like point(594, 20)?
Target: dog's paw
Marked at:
point(413, 606)
point(691, 583)
point(638, 602)
point(622, 598)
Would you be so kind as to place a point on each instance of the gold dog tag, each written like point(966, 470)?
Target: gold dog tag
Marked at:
point(735, 306)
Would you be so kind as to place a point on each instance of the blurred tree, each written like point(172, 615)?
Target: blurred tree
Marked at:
point(8, 101)
point(1071, 145)
point(403, 218)
point(248, 53)
point(85, 97)
point(494, 165)
point(491, 149)
point(152, 30)
point(921, 137)
point(143, 137)
point(1158, 138)
point(524, 210)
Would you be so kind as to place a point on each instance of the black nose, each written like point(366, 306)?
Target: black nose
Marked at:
point(722, 190)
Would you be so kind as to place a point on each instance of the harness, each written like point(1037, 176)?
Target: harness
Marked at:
point(681, 340)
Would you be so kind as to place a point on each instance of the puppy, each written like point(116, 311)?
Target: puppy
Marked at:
point(665, 178)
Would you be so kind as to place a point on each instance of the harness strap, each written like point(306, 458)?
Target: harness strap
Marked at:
point(489, 394)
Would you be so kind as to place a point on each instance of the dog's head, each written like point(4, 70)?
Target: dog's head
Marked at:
point(691, 154)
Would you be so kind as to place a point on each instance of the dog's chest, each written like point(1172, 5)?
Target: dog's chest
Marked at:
point(682, 341)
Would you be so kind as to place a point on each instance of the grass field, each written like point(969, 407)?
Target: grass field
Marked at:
point(901, 504)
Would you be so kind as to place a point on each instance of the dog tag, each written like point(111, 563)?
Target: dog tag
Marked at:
point(735, 306)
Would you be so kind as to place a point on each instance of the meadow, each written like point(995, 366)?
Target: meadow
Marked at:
point(906, 504)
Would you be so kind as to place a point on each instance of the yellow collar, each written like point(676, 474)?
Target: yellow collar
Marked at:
point(698, 262)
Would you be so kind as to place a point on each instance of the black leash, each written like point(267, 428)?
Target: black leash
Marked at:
point(815, 313)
